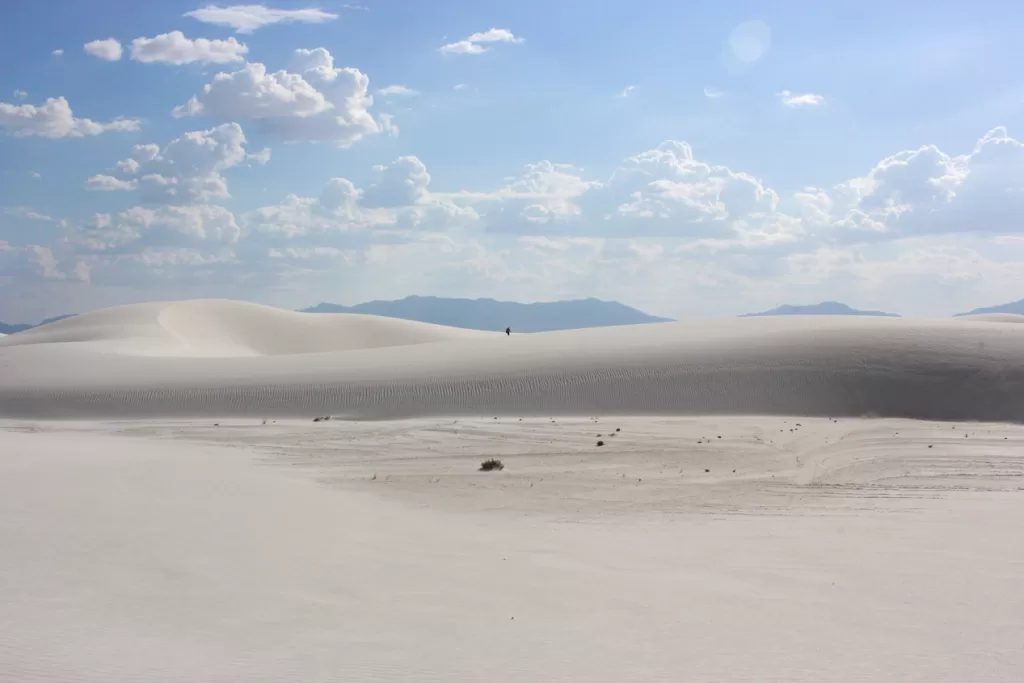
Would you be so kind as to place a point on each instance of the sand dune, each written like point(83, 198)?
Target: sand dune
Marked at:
point(220, 358)
point(215, 328)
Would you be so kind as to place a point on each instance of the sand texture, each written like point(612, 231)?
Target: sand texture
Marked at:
point(849, 551)
point(224, 358)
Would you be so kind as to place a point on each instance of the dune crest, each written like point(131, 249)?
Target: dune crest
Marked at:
point(220, 328)
point(203, 358)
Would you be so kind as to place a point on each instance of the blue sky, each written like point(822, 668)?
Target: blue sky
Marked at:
point(692, 159)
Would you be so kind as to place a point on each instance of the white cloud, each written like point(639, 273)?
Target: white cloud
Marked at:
point(31, 261)
point(139, 227)
point(399, 199)
point(478, 43)
point(922, 225)
point(35, 174)
point(175, 48)
point(927, 191)
point(20, 94)
point(260, 158)
point(713, 93)
point(109, 49)
point(664, 191)
point(248, 18)
point(460, 86)
point(792, 99)
point(54, 119)
point(313, 101)
point(25, 212)
point(57, 53)
point(627, 91)
point(397, 91)
point(107, 183)
point(187, 170)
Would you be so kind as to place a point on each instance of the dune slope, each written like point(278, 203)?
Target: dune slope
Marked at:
point(230, 359)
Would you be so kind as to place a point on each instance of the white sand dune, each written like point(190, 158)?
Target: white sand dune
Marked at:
point(750, 543)
point(221, 358)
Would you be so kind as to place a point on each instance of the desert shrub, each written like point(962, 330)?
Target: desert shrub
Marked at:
point(600, 443)
point(491, 465)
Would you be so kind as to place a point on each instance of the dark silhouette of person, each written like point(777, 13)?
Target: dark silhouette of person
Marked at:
point(508, 331)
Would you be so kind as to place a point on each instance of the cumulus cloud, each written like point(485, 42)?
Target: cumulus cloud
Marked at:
point(398, 199)
point(663, 191)
point(248, 18)
point(792, 99)
point(54, 119)
point(187, 170)
point(175, 48)
point(108, 50)
point(20, 94)
point(312, 101)
point(397, 91)
point(25, 212)
point(927, 191)
point(478, 43)
point(57, 53)
point(139, 227)
point(664, 220)
point(31, 261)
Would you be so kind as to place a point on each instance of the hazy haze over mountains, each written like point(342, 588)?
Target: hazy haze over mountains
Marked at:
point(488, 314)
point(1016, 307)
point(824, 308)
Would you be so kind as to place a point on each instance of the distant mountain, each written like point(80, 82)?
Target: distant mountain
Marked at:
point(488, 314)
point(824, 308)
point(1012, 307)
point(11, 329)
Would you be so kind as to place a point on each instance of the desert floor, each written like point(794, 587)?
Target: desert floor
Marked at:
point(705, 549)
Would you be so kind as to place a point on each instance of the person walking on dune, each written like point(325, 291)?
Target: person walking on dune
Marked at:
point(508, 331)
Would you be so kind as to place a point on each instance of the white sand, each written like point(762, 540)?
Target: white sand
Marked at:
point(225, 358)
point(793, 548)
point(841, 551)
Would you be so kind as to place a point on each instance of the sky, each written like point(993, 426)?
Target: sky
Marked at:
point(691, 159)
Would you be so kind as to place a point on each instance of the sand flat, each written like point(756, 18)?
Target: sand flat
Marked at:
point(166, 551)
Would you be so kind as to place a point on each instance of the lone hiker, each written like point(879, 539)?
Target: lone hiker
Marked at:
point(508, 331)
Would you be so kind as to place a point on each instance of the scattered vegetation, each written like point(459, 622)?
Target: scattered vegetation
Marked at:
point(600, 443)
point(617, 429)
point(322, 419)
point(491, 465)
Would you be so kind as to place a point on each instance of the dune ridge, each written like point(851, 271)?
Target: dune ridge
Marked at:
point(220, 358)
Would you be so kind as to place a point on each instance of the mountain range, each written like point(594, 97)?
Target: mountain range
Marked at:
point(488, 314)
point(824, 308)
point(1016, 307)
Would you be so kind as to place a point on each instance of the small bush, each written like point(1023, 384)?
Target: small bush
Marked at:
point(491, 465)
point(600, 443)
